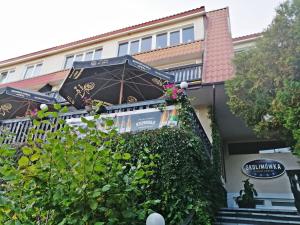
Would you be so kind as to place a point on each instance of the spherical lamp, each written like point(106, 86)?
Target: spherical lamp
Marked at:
point(184, 85)
point(155, 219)
point(43, 107)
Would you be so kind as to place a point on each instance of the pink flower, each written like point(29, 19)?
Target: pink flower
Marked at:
point(168, 86)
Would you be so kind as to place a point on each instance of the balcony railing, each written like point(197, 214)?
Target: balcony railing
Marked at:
point(186, 73)
point(15, 131)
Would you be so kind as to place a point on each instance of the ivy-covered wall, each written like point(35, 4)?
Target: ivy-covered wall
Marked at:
point(185, 180)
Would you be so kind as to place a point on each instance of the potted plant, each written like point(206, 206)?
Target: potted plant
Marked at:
point(173, 94)
point(247, 196)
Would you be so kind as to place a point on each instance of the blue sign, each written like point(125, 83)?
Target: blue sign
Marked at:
point(263, 168)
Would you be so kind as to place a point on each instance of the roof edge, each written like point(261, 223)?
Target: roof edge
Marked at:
point(100, 36)
point(247, 37)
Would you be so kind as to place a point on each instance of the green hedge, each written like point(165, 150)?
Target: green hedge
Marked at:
point(185, 179)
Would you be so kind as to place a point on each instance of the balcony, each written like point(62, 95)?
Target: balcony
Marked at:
point(15, 131)
point(186, 73)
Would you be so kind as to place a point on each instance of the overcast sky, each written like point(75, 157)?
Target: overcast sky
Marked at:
point(32, 25)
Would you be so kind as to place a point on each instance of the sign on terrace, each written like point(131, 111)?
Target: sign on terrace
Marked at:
point(134, 121)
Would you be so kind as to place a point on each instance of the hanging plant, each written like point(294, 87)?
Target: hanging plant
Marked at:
point(173, 94)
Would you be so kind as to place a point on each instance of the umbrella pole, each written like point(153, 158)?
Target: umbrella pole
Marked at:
point(122, 86)
point(121, 92)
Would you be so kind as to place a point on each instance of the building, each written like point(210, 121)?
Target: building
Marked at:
point(195, 46)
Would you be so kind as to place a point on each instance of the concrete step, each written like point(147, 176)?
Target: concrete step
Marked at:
point(237, 216)
point(237, 220)
point(268, 211)
point(260, 215)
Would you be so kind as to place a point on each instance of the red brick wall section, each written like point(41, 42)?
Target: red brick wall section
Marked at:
point(218, 48)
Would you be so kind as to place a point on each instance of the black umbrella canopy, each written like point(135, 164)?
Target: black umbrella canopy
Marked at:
point(113, 81)
point(17, 102)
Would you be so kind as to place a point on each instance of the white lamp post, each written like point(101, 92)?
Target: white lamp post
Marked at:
point(155, 219)
point(43, 107)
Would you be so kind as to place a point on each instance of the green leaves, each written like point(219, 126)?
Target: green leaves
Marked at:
point(106, 188)
point(23, 162)
point(262, 73)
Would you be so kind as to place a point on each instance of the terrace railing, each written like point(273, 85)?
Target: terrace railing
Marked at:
point(15, 131)
point(186, 73)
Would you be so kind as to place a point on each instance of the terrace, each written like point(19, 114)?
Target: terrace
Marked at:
point(18, 128)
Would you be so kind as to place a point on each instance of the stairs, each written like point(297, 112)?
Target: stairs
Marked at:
point(238, 216)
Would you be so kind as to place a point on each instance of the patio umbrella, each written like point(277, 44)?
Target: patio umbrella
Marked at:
point(17, 102)
point(113, 81)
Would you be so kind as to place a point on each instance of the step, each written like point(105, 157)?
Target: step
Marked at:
point(265, 211)
point(259, 215)
point(236, 220)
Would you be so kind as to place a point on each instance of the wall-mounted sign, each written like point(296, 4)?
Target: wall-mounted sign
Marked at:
point(263, 168)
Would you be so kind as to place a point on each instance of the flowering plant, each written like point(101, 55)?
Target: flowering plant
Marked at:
point(32, 113)
point(172, 92)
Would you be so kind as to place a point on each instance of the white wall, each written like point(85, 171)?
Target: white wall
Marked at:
point(56, 62)
point(272, 188)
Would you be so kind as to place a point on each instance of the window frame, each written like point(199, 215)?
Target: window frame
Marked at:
point(34, 65)
point(83, 53)
point(8, 73)
point(154, 39)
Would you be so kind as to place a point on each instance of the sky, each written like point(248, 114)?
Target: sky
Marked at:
point(32, 25)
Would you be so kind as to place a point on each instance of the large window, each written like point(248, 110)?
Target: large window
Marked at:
point(134, 47)
point(85, 56)
point(188, 35)
point(33, 70)
point(174, 38)
point(161, 40)
point(5, 74)
point(146, 44)
point(123, 49)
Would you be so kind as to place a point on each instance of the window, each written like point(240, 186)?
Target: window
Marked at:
point(86, 56)
point(78, 57)
point(33, 70)
point(188, 35)
point(123, 49)
point(134, 47)
point(146, 44)
point(97, 54)
point(3, 76)
point(174, 38)
point(69, 62)
point(161, 40)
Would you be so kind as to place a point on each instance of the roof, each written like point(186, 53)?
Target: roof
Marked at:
point(160, 56)
point(37, 82)
point(107, 35)
point(218, 48)
point(247, 37)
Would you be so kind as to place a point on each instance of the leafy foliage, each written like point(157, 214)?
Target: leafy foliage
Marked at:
point(264, 78)
point(70, 180)
point(86, 176)
point(185, 179)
